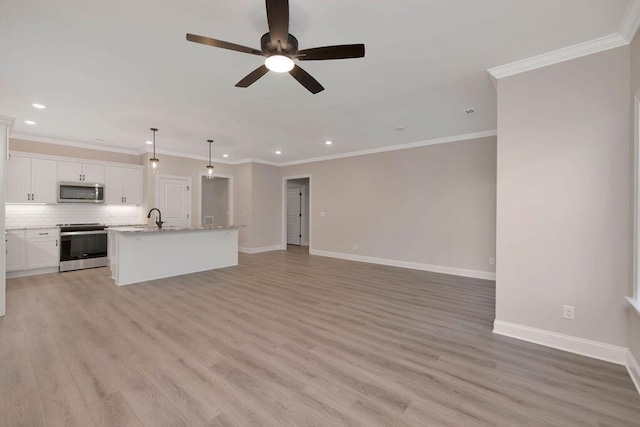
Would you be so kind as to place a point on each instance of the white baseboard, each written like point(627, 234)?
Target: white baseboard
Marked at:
point(405, 264)
point(27, 273)
point(634, 370)
point(260, 250)
point(594, 349)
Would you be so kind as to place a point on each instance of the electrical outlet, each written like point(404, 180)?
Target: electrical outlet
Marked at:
point(492, 261)
point(355, 246)
point(323, 213)
point(569, 312)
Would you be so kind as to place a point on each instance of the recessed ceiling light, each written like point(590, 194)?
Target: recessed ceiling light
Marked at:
point(30, 122)
point(225, 155)
point(328, 142)
point(149, 142)
point(40, 106)
point(278, 152)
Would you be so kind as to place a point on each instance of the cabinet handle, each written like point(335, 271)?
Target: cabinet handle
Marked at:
point(28, 196)
point(43, 234)
point(33, 197)
point(125, 199)
point(56, 242)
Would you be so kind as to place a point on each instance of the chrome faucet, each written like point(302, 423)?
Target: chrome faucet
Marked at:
point(159, 221)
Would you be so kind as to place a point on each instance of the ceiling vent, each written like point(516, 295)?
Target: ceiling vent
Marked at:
point(470, 110)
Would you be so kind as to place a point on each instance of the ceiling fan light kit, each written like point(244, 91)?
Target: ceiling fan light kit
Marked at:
point(281, 48)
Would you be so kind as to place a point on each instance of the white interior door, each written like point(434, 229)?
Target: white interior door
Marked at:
point(294, 216)
point(174, 200)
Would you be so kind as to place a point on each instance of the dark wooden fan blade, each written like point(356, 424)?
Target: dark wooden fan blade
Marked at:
point(224, 45)
point(278, 19)
point(253, 76)
point(331, 52)
point(306, 80)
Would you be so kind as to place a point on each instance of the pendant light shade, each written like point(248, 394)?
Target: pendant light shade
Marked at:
point(210, 166)
point(154, 161)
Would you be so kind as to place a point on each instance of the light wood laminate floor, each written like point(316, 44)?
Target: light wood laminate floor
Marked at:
point(287, 339)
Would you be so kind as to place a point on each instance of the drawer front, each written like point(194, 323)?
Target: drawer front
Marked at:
point(47, 233)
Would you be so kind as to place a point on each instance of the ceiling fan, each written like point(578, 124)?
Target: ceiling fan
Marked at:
point(281, 48)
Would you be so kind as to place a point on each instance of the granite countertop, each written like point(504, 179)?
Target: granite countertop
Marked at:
point(154, 229)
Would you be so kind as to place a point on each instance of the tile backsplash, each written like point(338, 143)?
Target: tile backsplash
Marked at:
point(45, 215)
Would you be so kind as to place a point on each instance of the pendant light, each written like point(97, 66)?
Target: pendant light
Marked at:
point(154, 162)
point(210, 166)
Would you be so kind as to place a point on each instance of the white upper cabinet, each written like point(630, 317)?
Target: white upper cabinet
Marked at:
point(31, 180)
point(44, 188)
point(133, 186)
point(114, 185)
point(18, 180)
point(123, 186)
point(34, 179)
point(84, 172)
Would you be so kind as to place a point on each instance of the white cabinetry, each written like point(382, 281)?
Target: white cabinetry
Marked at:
point(43, 248)
point(123, 186)
point(31, 180)
point(16, 259)
point(84, 172)
point(31, 250)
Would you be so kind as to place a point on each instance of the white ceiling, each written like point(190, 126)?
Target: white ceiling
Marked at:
point(113, 69)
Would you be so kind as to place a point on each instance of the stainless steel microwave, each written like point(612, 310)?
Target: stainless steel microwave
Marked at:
point(80, 192)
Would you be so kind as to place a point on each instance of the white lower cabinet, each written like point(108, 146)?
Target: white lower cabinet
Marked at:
point(16, 259)
point(30, 250)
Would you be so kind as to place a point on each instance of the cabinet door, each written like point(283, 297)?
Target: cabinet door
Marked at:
point(69, 171)
point(43, 181)
point(93, 174)
point(113, 185)
point(15, 260)
point(133, 186)
point(43, 253)
point(18, 180)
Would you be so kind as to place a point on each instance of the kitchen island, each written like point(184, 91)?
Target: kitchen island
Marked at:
point(139, 254)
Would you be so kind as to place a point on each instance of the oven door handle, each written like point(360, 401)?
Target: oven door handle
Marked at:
point(81, 233)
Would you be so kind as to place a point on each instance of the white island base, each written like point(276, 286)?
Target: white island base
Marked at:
point(139, 254)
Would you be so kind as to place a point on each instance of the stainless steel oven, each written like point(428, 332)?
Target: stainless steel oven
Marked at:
point(82, 246)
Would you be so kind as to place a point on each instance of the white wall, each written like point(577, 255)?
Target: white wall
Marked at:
point(432, 206)
point(242, 211)
point(563, 203)
point(215, 199)
point(266, 199)
point(5, 122)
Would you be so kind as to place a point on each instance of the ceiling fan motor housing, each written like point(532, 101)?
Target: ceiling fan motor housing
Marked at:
point(269, 48)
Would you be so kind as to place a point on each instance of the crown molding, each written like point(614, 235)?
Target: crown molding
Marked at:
point(435, 141)
point(557, 56)
point(624, 36)
point(45, 140)
point(631, 21)
point(7, 121)
point(188, 156)
point(262, 162)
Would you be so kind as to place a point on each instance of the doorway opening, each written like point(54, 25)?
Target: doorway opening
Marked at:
point(297, 227)
point(216, 200)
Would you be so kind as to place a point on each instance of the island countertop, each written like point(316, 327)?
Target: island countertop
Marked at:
point(140, 254)
point(154, 229)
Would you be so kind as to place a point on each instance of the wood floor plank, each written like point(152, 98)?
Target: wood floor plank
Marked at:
point(286, 338)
